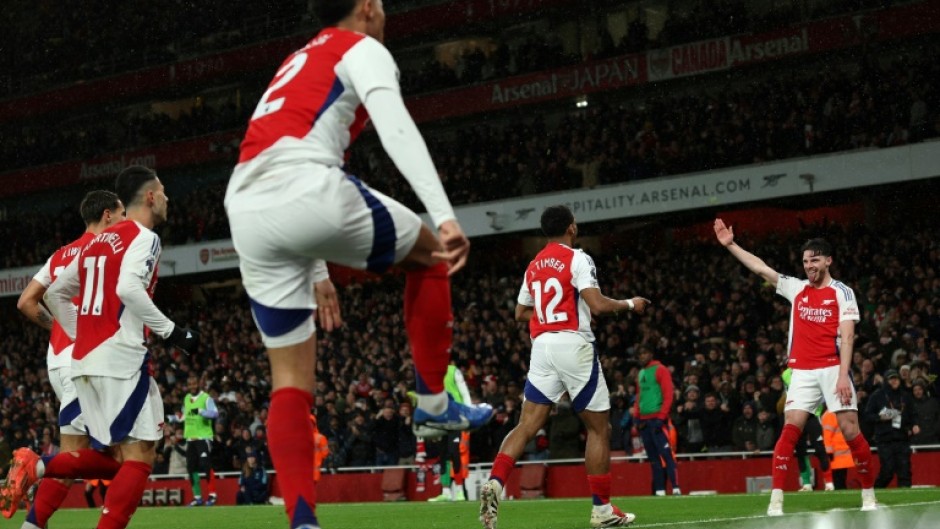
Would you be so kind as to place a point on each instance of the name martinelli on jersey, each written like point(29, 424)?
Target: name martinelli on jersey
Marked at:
point(111, 239)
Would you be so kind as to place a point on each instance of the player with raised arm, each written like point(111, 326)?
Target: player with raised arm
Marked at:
point(822, 332)
point(291, 206)
point(99, 210)
point(558, 296)
point(113, 277)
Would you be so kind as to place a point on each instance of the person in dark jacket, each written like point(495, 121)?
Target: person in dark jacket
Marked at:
point(891, 409)
point(253, 483)
point(744, 430)
point(927, 410)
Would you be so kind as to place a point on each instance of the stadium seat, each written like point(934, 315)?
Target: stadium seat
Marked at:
point(147, 499)
point(175, 497)
point(393, 484)
point(159, 497)
point(532, 481)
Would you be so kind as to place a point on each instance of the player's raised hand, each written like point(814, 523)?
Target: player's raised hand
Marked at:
point(724, 233)
point(456, 246)
point(328, 313)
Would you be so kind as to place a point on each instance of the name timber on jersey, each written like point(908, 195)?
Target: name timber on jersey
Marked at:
point(59, 352)
point(114, 276)
point(313, 107)
point(815, 319)
point(551, 285)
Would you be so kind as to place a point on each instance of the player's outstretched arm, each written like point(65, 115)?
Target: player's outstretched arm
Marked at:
point(30, 304)
point(725, 236)
point(601, 304)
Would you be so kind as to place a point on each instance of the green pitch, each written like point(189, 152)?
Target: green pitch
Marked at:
point(902, 509)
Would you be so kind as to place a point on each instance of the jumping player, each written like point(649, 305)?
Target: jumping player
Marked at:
point(291, 207)
point(822, 332)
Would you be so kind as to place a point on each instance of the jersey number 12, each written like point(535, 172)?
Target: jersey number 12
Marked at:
point(553, 286)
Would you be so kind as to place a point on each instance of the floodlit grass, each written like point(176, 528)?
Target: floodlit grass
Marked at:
point(902, 509)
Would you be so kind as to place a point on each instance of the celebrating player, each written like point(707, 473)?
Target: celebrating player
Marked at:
point(291, 207)
point(558, 296)
point(100, 210)
point(822, 332)
point(113, 276)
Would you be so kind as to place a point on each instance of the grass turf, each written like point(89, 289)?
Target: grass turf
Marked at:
point(904, 508)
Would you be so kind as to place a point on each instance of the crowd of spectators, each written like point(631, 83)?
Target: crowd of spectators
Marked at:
point(112, 130)
point(776, 118)
point(719, 330)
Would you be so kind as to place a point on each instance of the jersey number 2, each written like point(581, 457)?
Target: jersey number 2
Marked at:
point(549, 316)
point(282, 77)
point(93, 295)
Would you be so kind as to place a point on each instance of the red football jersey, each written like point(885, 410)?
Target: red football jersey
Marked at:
point(57, 355)
point(815, 319)
point(313, 106)
point(551, 287)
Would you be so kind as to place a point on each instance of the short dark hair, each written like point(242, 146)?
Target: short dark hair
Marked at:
point(131, 180)
point(96, 203)
point(555, 220)
point(818, 246)
point(330, 12)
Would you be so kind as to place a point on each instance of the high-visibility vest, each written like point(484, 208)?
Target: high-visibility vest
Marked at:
point(836, 446)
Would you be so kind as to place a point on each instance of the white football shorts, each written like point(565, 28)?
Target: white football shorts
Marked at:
point(70, 413)
point(118, 411)
point(300, 211)
point(810, 387)
point(565, 362)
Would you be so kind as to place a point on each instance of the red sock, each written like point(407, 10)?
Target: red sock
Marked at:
point(210, 482)
point(502, 467)
point(49, 497)
point(429, 323)
point(85, 463)
point(783, 454)
point(124, 495)
point(600, 488)
point(861, 453)
point(290, 440)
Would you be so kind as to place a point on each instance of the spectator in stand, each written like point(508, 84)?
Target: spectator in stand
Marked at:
point(385, 428)
point(891, 408)
point(654, 392)
point(716, 425)
point(253, 482)
point(927, 411)
point(744, 430)
point(360, 449)
point(767, 432)
point(689, 421)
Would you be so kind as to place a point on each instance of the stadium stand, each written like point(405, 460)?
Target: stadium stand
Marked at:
point(725, 335)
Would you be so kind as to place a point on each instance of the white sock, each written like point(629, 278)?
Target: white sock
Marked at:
point(660, 493)
point(434, 404)
point(604, 509)
point(40, 468)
